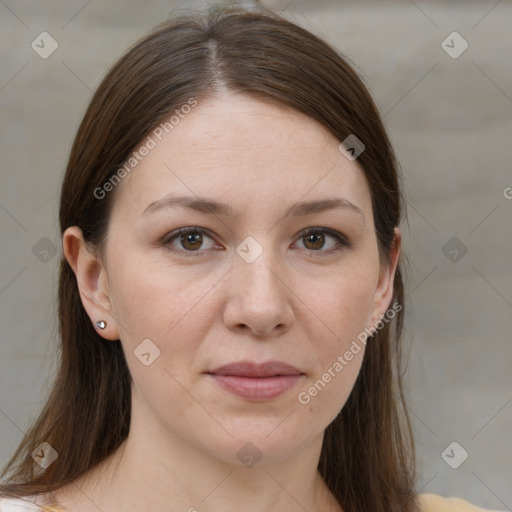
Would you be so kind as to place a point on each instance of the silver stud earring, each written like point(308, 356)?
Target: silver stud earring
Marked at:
point(101, 324)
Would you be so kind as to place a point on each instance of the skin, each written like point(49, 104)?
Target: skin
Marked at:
point(298, 302)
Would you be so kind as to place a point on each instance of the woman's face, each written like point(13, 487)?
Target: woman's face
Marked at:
point(246, 284)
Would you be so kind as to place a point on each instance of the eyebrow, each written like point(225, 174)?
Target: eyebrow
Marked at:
point(212, 207)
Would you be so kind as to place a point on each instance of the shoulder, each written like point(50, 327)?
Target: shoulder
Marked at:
point(435, 503)
point(26, 504)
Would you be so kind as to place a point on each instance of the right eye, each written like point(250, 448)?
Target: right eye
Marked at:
point(190, 238)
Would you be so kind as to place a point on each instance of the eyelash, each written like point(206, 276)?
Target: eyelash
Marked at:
point(342, 241)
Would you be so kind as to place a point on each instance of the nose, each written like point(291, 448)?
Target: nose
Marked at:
point(259, 298)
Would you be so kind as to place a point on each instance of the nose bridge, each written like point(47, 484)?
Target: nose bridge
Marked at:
point(259, 299)
point(257, 268)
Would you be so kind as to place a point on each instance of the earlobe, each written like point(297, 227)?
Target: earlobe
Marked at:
point(92, 282)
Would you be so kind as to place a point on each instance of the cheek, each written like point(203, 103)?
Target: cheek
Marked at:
point(343, 308)
point(339, 356)
point(161, 305)
point(175, 319)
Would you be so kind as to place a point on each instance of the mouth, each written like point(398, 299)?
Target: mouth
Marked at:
point(257, 382)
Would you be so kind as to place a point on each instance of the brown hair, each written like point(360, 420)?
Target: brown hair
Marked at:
point(367, 459)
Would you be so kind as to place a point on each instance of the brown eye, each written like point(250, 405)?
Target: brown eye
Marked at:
point(316, 239)
point(190, 240)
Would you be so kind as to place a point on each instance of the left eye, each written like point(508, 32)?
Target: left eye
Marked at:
point(314, 239)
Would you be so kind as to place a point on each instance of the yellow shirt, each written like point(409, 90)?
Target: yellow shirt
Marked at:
point(435, 503)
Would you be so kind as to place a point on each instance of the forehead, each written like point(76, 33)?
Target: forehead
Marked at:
point(246, 152)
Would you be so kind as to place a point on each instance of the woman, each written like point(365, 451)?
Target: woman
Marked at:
point(230, 295)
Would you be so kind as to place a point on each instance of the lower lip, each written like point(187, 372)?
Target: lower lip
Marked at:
point(258, 388)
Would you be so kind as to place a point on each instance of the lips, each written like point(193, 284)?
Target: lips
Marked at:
point(257, 382)
point(250, 369)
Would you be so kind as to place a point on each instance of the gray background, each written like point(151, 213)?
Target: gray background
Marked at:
point(450, 120)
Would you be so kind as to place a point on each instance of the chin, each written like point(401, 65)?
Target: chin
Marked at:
point(258, 441)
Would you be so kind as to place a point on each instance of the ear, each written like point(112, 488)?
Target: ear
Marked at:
point(92, 281)
point(384, 290)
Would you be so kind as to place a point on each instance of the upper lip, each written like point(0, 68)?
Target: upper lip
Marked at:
point(251, 369)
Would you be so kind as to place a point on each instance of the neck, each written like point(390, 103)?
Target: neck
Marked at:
point(147, 473)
